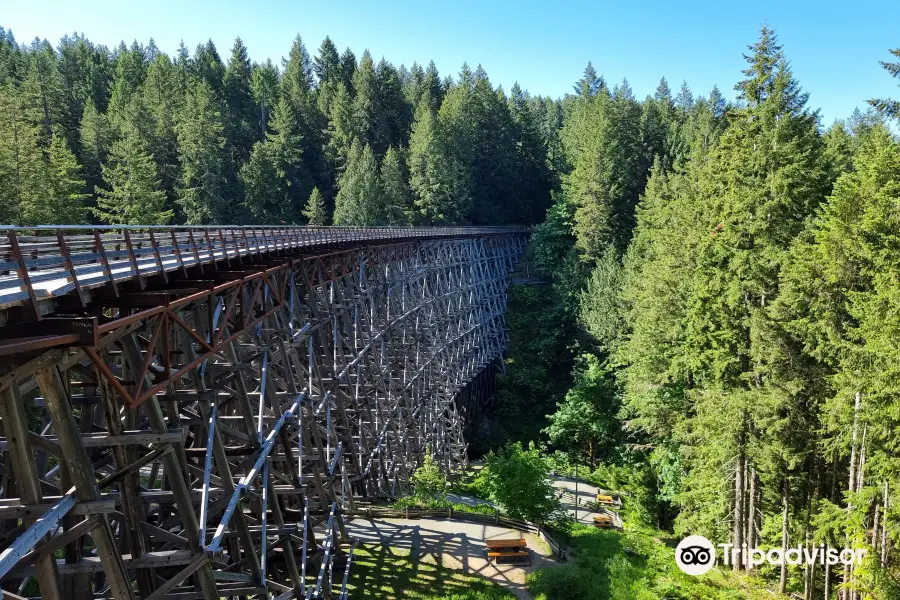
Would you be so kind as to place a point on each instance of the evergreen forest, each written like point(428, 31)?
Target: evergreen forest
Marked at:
point(718, 326)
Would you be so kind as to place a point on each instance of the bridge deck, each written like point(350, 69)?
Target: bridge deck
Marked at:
point(45, 262)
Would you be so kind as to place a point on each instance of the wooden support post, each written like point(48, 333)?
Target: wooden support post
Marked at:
point(83, 477)
point(20, 452)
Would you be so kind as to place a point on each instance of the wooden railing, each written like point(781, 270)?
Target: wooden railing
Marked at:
point(43, 262)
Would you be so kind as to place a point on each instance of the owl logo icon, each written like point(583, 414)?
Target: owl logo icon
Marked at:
point(695, 555)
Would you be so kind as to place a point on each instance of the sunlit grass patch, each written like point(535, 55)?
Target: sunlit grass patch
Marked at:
point(384, 573)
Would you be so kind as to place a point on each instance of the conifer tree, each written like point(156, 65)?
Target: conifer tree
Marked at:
point(393, 115)
point(288, 148)
point(207, 66)
point(203, 186)
point(348, 68)
point(41, 91)
point(359, 200)
point(315, 212)
point(603, 141)
point(365, 101)
point(887, 106)
point(96, 138)
point(264, 85)
point(440, 194)
point(130, 71)
point(240, 113)
point(342, 128)
point(66, 201)
point(23, 173)
point(396, 197)
point(297, 88)
point(771, 144)
point(154, 115)
point(265, 199)
point(590, 84)
point(133, 193)
point(327, 67)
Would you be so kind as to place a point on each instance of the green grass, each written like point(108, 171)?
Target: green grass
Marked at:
point(638, 564)
point(384, 573)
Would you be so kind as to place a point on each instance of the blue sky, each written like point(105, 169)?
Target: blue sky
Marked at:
point(834, 47)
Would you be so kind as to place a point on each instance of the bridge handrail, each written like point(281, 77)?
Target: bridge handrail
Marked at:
point(45, 261)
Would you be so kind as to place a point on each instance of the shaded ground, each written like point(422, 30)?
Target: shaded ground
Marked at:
point(453, 545)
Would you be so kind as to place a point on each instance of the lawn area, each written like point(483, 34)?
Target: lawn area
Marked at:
point(636, 565)
point(384, 573)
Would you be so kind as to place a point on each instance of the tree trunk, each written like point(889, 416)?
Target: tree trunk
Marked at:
point(786, 497)
point(884, 538)
point(739, 526)
point(752, 529)
point(851, 486)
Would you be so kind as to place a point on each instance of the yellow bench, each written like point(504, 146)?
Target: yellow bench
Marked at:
point(603, 521)
point(604, 499)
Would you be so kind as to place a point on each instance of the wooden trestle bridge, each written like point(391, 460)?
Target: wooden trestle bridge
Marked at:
point(189, 412)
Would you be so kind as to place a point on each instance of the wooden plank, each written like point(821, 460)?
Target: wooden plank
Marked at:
point(507, 554)
point(36, 511)
point(519, 543)
point(93, 564)
point(103, 440)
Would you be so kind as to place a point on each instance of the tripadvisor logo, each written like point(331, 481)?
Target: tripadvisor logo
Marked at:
point(696, 555)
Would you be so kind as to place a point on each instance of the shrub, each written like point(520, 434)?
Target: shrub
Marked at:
point(518, 480)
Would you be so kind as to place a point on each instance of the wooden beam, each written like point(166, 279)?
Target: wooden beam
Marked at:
point(83, 478)
point(15, 426)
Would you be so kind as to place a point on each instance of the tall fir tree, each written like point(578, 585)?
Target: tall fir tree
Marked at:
point(132, 194)
point(240, 110)
point(265, 200)
point(23, 173)
point(203, 187)
point(316, 212)
point(359, 200)
point(395, 190)
point(265, 88)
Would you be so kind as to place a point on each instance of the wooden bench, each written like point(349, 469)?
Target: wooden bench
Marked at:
point(603, 521)
point(517, 543)
point(605, 499)
point(510, 549)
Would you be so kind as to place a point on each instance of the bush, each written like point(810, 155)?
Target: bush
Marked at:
point(519, 481)
point(429, 481)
